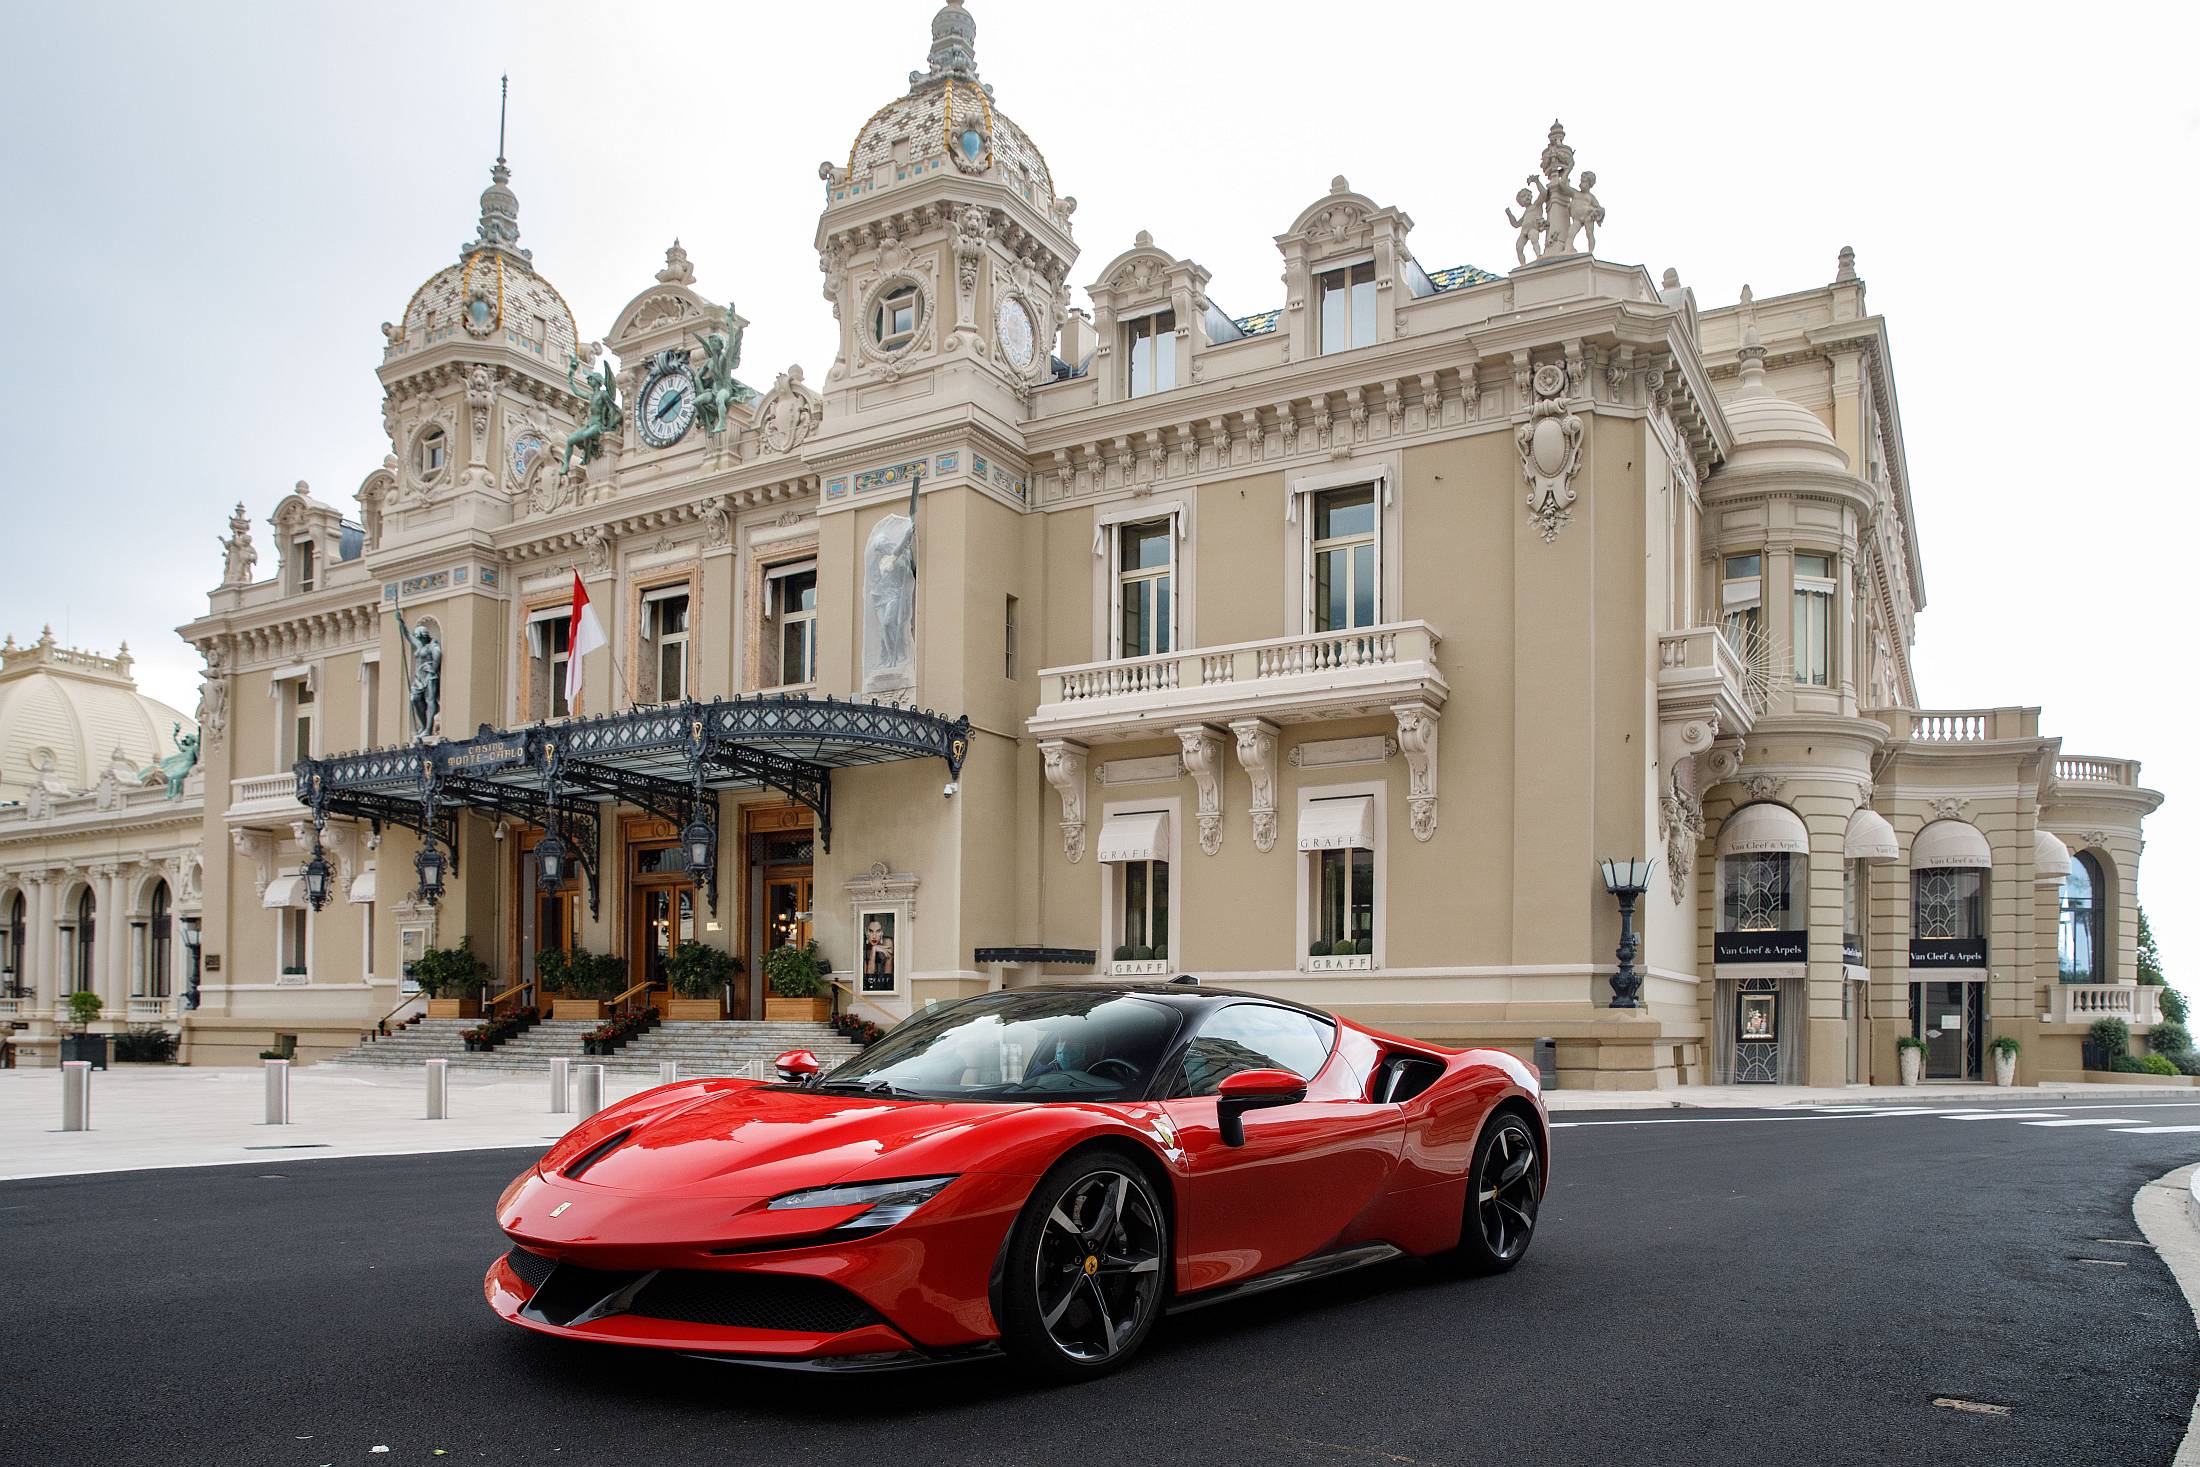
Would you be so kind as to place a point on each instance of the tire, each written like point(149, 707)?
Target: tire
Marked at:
point(1504, 1196)
point(1086, 1270)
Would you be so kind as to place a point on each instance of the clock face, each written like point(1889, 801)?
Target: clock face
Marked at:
point(668, 406)
point(1019, 342)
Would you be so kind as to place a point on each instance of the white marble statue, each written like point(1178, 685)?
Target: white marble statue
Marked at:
point(890, 606)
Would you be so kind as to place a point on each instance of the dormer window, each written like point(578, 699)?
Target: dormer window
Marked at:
point(1348, 306)
point(1149, 352)
point(894, 321)
point(307, 569)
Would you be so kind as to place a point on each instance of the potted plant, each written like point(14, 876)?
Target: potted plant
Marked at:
point(699, 975)
point(585, 981)
point(798, 988)
point(84, 1044)
point(1910, 1053)
point(550, 977)
point(2107, 1041)
point(2005, 1060)
point(451, 978)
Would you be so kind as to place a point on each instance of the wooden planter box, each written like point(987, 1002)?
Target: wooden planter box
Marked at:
point(454, 1008)
point(798, 1010)
point(686, 1009)
point(590, 1009)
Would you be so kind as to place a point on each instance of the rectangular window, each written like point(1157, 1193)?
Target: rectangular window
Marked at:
point(1947, 904)
point(307, 570)
point(662, 673)
point(790, 631)
point(1008, 637)
point(1740, 596)
point(1145, 926)
point(1150, 353)
point(366, 943)
point(1343, 559)
point(1344, 900)
point(549, 649)
point(301, 720)
point(1814, 588)
point(1348, 307)
point(1145, 574)
point(1855, 898)
point(294, 940)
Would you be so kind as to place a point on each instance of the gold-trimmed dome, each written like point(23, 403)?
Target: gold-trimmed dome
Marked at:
point(64, 714)
point(946, 120)
point(492, 294)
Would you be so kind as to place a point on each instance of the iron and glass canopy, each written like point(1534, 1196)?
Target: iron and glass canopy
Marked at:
point(668, 760)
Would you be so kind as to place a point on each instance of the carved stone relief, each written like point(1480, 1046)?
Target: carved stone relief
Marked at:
point(1550, 440)
point(1417, 725)
point(1256, 751)
point(1203, 761)
point(1065, 771)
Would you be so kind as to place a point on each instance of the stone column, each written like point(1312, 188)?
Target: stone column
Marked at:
point(38, 938)
point(113, 951)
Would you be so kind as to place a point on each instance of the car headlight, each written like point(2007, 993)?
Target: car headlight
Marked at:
point(886, 1203)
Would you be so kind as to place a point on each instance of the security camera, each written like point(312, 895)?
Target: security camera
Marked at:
point(952, 789)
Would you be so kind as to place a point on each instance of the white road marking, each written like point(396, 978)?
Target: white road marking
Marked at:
point(2005, 1115)
point(1813, 1114)
point(2156, 1130)
point(2086, 1121)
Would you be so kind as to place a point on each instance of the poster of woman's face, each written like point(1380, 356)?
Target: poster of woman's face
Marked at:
point(878, 952)
point(1757, 1015)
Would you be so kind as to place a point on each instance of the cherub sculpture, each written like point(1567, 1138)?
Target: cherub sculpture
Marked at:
point(176, 767)
point(717, 389)
point(603, 418)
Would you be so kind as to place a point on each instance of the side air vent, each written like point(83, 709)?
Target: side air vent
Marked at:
point(597, 1152)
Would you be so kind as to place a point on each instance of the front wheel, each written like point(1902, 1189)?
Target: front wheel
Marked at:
point(1504, 1193)
point(1086, 1269)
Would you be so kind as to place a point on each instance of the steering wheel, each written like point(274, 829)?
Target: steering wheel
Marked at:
point(1123, 1068)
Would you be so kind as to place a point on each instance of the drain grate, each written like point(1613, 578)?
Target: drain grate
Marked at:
point(1975, 1408)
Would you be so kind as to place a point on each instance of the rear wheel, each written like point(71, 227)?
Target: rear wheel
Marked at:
point(1504, 1194)
point(1087, 1267)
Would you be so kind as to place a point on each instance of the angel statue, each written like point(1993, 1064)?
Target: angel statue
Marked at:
point(426, 682)
point(176, 767)
point(716, 386)
point(604, 417)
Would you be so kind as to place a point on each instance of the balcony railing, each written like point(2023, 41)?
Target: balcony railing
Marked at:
point(2082, 1003)
point(1317, 675)
point(1960, 725)
point(2085, 769)
point(265, 799)
point(150, 1010)
point(1701, 679)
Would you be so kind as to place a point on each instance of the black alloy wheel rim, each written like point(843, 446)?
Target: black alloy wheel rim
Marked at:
point(1098, 1269)
point(1508, 1191)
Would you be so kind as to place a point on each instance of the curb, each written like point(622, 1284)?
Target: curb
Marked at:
point(2153, 1208)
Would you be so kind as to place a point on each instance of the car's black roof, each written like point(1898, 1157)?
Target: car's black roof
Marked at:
point(1194, 997)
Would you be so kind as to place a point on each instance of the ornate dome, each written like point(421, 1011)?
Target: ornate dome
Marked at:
point(1767, 427)
point(64, 713)
point(492, 294)
point(946, 119)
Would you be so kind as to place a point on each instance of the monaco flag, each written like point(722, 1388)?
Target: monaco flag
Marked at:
point(587, 637)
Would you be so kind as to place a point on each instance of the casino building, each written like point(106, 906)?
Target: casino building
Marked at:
point(1324, 649)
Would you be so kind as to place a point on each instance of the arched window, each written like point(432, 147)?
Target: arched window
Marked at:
point(86, 910)
point(1764, 886)
point(156, 963)
point(2078, 933)
point(14, 947)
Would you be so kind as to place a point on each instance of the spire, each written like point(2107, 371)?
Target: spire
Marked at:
point(1753, 351)
point(954, 53)
point(499, 226)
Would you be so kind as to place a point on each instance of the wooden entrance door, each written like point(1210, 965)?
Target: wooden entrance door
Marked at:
point(661, 904)
point(778, 843)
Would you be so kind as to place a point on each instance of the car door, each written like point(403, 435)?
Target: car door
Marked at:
point(1305, 1172)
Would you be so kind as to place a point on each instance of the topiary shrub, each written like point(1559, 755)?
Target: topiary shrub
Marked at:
point(84, 1007)
point(552, 965)
point(1363, 947)
point(1143, 953)
point(1317, 949)
point(698, 970)
point(2169, 1037)
point(793, 972)
point(449, 972)
point(1122, 952)
point(2111, 1036)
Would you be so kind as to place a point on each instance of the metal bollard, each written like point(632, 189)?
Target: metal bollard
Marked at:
point(76, 1095)
point(278, 1091)
point(591, 1099)
point(439, 1089)
point(561, 1086)
point(667, 1071)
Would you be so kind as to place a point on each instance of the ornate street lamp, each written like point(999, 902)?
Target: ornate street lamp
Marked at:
point(1627, 880)
point(429, 865)
point(550, 863)
point(701, 844)
point(317, 873)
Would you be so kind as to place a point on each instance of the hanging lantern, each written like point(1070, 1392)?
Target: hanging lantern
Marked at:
point(429, 865)
point(317, 874)
point(701, 843)
point(550, 863)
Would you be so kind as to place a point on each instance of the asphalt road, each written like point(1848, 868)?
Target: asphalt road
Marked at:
point(1707, 1287)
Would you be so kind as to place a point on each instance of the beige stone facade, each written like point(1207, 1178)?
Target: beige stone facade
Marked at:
point(1324, 650)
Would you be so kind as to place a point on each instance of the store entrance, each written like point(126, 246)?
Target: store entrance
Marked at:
point(781, 846)
point(1950, 1018)
point(661, 904)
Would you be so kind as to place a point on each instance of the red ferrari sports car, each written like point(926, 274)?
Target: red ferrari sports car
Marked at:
point(1040, 1171)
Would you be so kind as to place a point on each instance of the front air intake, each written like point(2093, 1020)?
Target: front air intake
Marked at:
point(597, 1152)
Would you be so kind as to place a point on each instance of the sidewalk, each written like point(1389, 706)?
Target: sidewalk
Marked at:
point(1772, 1097)
point(172, 1116)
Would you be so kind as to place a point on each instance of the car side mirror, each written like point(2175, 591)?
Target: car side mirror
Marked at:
point(1253, 1090)
point(797, 1066)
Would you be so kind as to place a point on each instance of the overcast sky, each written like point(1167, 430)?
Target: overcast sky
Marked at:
point(213, 207)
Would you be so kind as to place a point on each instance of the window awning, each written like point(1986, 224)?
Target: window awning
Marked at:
point(1141, 836)
point(285, 891)
point(1871, 838)
point(362, 887)
point(1950, 845)
point(1338, 824)
point(2050, 857)
point(1756, 829)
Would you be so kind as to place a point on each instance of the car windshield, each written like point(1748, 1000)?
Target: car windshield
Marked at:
point(1033, 1045)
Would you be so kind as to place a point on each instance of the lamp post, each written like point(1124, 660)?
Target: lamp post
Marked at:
point(1627, 880)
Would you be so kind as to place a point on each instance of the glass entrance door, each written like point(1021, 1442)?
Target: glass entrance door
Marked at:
point(786, 909)
point(1945, 1020)
point(666, 919)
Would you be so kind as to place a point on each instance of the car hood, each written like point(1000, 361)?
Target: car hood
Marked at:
point(755, 1141)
